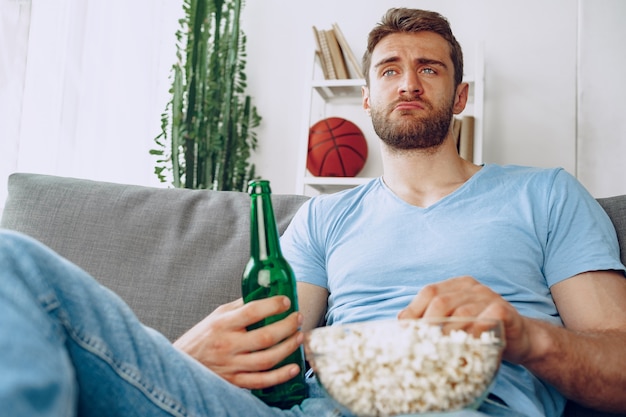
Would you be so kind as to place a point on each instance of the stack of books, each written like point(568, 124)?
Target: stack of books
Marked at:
point(335, 56)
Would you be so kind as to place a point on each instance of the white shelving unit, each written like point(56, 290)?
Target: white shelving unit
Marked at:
point(342, 98)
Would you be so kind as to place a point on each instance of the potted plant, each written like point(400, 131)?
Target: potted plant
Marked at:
point(207, 130)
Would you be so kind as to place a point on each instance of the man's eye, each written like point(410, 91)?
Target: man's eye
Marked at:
point(389, 72)
point(428, 71)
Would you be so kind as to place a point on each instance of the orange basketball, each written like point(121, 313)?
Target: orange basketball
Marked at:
point(337, 148)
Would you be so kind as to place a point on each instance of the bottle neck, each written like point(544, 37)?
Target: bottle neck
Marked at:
point(264, 242)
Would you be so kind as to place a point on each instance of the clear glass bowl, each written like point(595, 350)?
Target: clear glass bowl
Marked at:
point(407, 367)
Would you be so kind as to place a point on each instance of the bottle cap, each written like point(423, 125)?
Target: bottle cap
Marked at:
point(258, 187)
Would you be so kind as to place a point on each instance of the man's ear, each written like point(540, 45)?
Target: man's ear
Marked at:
point(460, 98)
point(365, 96)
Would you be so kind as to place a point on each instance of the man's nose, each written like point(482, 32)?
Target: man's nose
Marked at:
point(410, 84)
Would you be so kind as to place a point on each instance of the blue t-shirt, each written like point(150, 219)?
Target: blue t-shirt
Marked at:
point(518, 230)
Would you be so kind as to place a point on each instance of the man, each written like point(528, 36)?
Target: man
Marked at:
point(101, 361)
point(527, 246)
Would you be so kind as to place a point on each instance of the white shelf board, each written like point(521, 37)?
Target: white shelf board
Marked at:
point(333, 89)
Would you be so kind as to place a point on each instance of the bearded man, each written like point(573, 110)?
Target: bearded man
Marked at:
point(438, 236)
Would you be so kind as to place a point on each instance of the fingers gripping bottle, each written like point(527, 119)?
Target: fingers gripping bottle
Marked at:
point(268, 274)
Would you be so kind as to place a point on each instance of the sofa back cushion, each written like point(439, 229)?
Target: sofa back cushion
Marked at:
point(173, 255)
point(615, 207)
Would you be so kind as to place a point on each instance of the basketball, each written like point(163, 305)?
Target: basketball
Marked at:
point(337, 148)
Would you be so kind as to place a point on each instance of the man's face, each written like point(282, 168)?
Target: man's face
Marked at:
point(411, 95)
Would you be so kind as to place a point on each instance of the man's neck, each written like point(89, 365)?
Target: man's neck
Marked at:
point(423, 177)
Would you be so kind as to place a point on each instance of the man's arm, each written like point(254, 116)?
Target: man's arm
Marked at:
point(584, 360)
point(313, 302)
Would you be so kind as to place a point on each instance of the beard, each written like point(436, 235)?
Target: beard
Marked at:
point(412, 132)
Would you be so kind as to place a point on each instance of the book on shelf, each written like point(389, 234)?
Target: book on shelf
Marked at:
point(347, 51)
point(456, 131)
point(339, 63)
point(465, 143)
point(320, 59)
point(335, 55)
point(326, 59)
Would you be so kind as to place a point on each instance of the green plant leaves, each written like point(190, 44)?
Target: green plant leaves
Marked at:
point(207, 129)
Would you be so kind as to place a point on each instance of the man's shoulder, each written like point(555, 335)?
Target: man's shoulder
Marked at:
point(522, 171)
point(527, 177)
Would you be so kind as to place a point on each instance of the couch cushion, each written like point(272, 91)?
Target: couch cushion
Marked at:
point(173, 255)
point(616, 209)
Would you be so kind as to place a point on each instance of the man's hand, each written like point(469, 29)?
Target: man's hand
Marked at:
point(466, 297)
point(245, 358)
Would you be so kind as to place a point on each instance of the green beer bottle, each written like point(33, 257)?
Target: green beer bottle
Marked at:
point(268, 274)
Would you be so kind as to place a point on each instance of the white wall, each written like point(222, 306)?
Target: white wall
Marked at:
point(83, 84)
point(602, 97)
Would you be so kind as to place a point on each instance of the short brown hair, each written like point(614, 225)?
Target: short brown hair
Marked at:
point(403, 20)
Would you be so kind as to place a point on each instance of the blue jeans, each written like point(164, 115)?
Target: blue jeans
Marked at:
point(70, 347)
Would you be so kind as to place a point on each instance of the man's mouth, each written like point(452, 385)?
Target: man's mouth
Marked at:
point(409, 105)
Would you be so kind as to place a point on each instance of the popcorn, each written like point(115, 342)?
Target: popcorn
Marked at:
point(408, 366)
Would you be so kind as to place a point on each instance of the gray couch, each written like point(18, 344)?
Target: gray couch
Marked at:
point(173, 255)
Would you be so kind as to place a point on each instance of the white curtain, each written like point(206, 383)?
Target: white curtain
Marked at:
point(83, 84)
